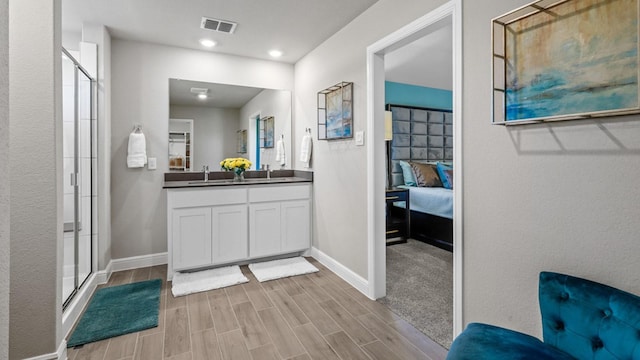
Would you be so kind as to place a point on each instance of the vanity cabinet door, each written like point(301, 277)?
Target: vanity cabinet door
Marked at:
point(191, 231)
point(264, 229)
point(296, 219)
point(229, 233)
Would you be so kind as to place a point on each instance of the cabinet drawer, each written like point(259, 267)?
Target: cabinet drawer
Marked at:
point(279, 193)
point(201, 197)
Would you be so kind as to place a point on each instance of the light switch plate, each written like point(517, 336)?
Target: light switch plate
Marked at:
point(359, 138)
point(151, 165)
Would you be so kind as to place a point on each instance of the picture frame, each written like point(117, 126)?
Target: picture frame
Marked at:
point(335, 112)
point(267, 132)
point(557, 60)
point(241, 141)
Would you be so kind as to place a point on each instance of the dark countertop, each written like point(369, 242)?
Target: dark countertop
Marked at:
point(196, 179)
point(230, 182)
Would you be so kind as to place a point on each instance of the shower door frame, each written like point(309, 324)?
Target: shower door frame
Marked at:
point(77, 284)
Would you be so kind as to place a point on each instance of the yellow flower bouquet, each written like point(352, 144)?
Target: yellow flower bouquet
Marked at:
point(237, 165)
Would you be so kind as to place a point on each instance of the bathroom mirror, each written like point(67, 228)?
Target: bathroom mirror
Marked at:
point(209, 122)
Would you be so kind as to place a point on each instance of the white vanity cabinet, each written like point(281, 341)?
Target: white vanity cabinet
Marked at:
point(229, 233)
point(296, 224)
point(264, 229)
point(279, 220)
point(191, 233)
point(216, 225)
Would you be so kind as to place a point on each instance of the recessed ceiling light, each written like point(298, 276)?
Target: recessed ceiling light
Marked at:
point(202, 96)
point(207, 43)
point(275, 53)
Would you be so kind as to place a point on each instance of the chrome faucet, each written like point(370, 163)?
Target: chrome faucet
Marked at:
point(268, 171)
point(205, 169)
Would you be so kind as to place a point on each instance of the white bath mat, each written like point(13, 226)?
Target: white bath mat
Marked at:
point(189, 283)
point(276, 269)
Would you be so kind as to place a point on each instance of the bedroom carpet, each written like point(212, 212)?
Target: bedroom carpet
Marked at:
point(420, 288)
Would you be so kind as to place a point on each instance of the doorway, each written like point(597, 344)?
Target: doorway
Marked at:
point(376, 156)
point(419, 262)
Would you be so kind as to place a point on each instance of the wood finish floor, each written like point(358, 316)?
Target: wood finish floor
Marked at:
point(314, 316)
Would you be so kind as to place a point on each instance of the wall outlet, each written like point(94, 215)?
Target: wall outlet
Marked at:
point(359, 138)
point(151, 163)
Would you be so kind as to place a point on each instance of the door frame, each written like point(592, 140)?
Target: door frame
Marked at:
point(376, 176)
point(254, 126)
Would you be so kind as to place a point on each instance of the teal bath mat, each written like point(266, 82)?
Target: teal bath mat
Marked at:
point(119, 310)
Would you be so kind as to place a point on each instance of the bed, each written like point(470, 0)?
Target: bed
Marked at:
point(436, 201)
point(423, 136)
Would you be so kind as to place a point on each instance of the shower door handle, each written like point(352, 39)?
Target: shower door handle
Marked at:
point(74, 179)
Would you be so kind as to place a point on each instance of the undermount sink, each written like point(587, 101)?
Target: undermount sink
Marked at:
point(245, 181)
point(255, 179)
point(211, 181)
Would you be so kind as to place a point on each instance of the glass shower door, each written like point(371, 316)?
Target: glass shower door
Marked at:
point(78, 161)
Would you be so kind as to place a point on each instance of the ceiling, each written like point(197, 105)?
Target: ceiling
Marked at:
point(218, 95)
point(427, 61)
point(294, 27)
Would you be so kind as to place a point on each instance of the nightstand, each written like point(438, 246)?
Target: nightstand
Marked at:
point(398, 218)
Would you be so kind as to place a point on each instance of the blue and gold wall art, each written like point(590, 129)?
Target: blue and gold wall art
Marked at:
point(335, 112)
point(566, 60)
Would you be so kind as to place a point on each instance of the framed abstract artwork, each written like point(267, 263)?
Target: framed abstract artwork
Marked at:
point(241, 141)
point(564, 60)
point(267, 132)
point(335, 112)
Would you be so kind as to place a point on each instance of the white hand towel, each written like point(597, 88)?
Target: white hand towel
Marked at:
point(280, 155)
point(137, 150)
point(305, 151)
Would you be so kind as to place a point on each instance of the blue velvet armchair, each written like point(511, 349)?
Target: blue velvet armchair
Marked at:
point(581, 319)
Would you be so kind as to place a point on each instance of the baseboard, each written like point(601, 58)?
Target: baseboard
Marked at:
point(136, 262)
point(345, 273)
point(102, 276)
point(62, 350)
point(60, 354)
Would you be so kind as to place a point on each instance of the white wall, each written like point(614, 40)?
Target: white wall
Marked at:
point(561, 197)
point(35, 166)
point(269, 103)
point(557, 197)
point(71, 40)
point(4, 180)
point(140, 94)
point(214, 135)
point(340, 183)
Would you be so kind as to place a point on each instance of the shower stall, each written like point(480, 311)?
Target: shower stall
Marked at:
point(80, 180)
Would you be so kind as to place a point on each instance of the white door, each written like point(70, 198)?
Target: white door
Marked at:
point(264, 229)
point(191, 238)
point(296, 225)
point(229, 237)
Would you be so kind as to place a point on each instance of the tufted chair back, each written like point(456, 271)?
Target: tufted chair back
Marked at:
point(589, 320)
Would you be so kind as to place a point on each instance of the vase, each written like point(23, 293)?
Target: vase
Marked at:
point(238, 176)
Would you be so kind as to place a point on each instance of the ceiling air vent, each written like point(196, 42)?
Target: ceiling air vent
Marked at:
point(227, 27)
